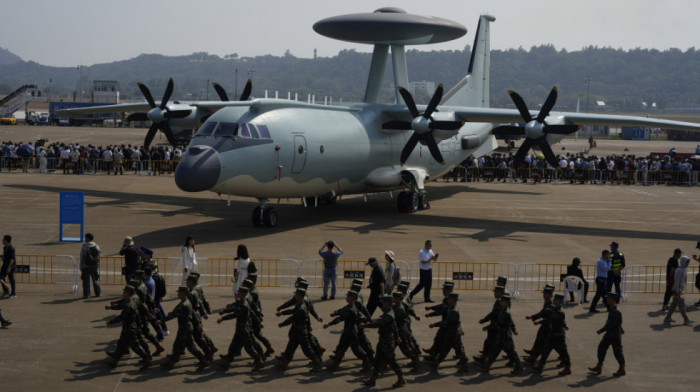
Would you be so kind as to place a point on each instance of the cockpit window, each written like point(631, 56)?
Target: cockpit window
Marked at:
point(227, 129)
point(244, 131)
point(206, 129)
point(253, 131)
point(264, 132)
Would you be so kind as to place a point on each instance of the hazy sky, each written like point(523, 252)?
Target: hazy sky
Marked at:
point(72, 32)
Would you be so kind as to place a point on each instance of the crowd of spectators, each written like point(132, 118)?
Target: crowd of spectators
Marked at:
point(79, 159)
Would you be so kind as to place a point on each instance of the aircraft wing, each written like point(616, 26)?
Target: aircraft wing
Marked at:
point(125, 107)
point(500, 116)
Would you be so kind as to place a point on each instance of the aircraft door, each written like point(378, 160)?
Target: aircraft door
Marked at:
point(299, 154)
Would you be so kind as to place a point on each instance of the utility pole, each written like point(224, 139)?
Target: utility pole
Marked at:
point(588, 90)
point(80, 82)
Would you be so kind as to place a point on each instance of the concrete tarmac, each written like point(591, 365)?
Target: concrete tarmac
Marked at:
point(58, 340)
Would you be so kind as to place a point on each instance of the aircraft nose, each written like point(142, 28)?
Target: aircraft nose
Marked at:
point(198, 170)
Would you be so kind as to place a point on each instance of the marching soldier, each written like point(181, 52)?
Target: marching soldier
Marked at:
point(498, 292)
point(556, 337)
point(542, 332)
point(303, 284)
point(243, 337)
point(186, 324)
point(200, 291)
point(504, 329)
point(256, 313)
point(439, 309)
point(203, 341)
point(298, 333)
point(613, 337)
point(349, 339)
point(131, 331)
point(146, 306)
point(365, 344)
point(408, 305)
point(388, 338)
point(451, 330)
point(403, 323)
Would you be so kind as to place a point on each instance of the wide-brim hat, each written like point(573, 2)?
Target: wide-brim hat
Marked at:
point(129, 241)
point(391, 254)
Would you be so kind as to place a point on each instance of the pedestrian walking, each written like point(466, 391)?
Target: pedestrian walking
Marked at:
point(678, 291)
point(601, 278)
point(89, 266)
point(376, 285)
point(671, 266)
point(613, 337)
point(391, 272)
point(131, 258)
point(9, 264)
point(426, 257)
point(189, 259)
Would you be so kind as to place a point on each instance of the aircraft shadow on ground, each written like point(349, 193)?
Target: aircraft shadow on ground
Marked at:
point(378, 215)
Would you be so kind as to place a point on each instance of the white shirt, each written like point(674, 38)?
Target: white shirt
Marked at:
point(242, 269)
point(423, 256)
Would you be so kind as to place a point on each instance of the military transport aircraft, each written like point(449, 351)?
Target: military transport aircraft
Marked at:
point(275, 148)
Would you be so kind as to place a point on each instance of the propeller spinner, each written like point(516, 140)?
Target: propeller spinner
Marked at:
point(535, 130)
point(422, 125)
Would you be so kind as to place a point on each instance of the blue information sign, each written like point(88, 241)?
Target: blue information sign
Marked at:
point(72, 213)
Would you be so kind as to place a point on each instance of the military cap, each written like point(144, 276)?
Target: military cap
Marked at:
point(404, 283)
point(134, 283)
point(243, 290)
point(192, 279)
point(372, 260)
point(130, 289)
point(352, 294)
point(453, 295)
point(502, 279)
point(548, 289)
point(247, 283)
point(300, 279)
point(358, 281)
point(499, 288)
point(559, 297)
point(183, 289)
point(616, 296)
point(300, 290)
point(387, 298)
point(303, 285)
point(505, 297)
point(195, 274)
point(139, 274)
point(448, 286)
point(397, 294)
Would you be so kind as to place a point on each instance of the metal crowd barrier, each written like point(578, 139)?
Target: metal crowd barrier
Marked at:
point(47, 269)
point(534, 276)
point(466, 275)
point(652, 279)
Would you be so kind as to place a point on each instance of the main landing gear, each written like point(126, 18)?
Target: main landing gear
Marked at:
point(264, 215)
point(411, 201)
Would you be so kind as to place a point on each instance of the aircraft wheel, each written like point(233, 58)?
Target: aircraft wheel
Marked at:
point(270, 217)
point(258, 217)
point(413, 201)
point(423, 200)
point(402, 201)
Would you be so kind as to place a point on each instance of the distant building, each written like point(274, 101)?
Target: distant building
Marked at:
point(635, 133)
point(421, 85)
point(105, 92)
point(594, 130)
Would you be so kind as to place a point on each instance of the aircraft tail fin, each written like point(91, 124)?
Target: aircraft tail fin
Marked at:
point(473, 90)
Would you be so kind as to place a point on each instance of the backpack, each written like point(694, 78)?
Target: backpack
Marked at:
point(397, 275)
point(92, 256)
point(252, 268)
point(161, 289)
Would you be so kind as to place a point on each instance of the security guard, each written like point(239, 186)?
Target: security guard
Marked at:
point(388, 338)
point(616, 266)
point(298, 333)
point(243, 337)
point(613, 337)
point(556, 337)
point(186, 324)
point(542, 332)
point(349, 339)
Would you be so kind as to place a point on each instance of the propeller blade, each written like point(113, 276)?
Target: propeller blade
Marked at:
point(137, 117)
point(434, 101)
point(221, 92)
point(410, 103)
point(408, 148)
point(519, 158)
point(547, 151)
point(434, 149)
point(150, 135)
point(561, 129)
point(167, 94)
point(165, 128)
point(246, 91)
point(520, 104)
point(400, 125)
point(446, 125)
point(177, 113)
point(147, 94)
point(548, 105)
point(508, 130)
